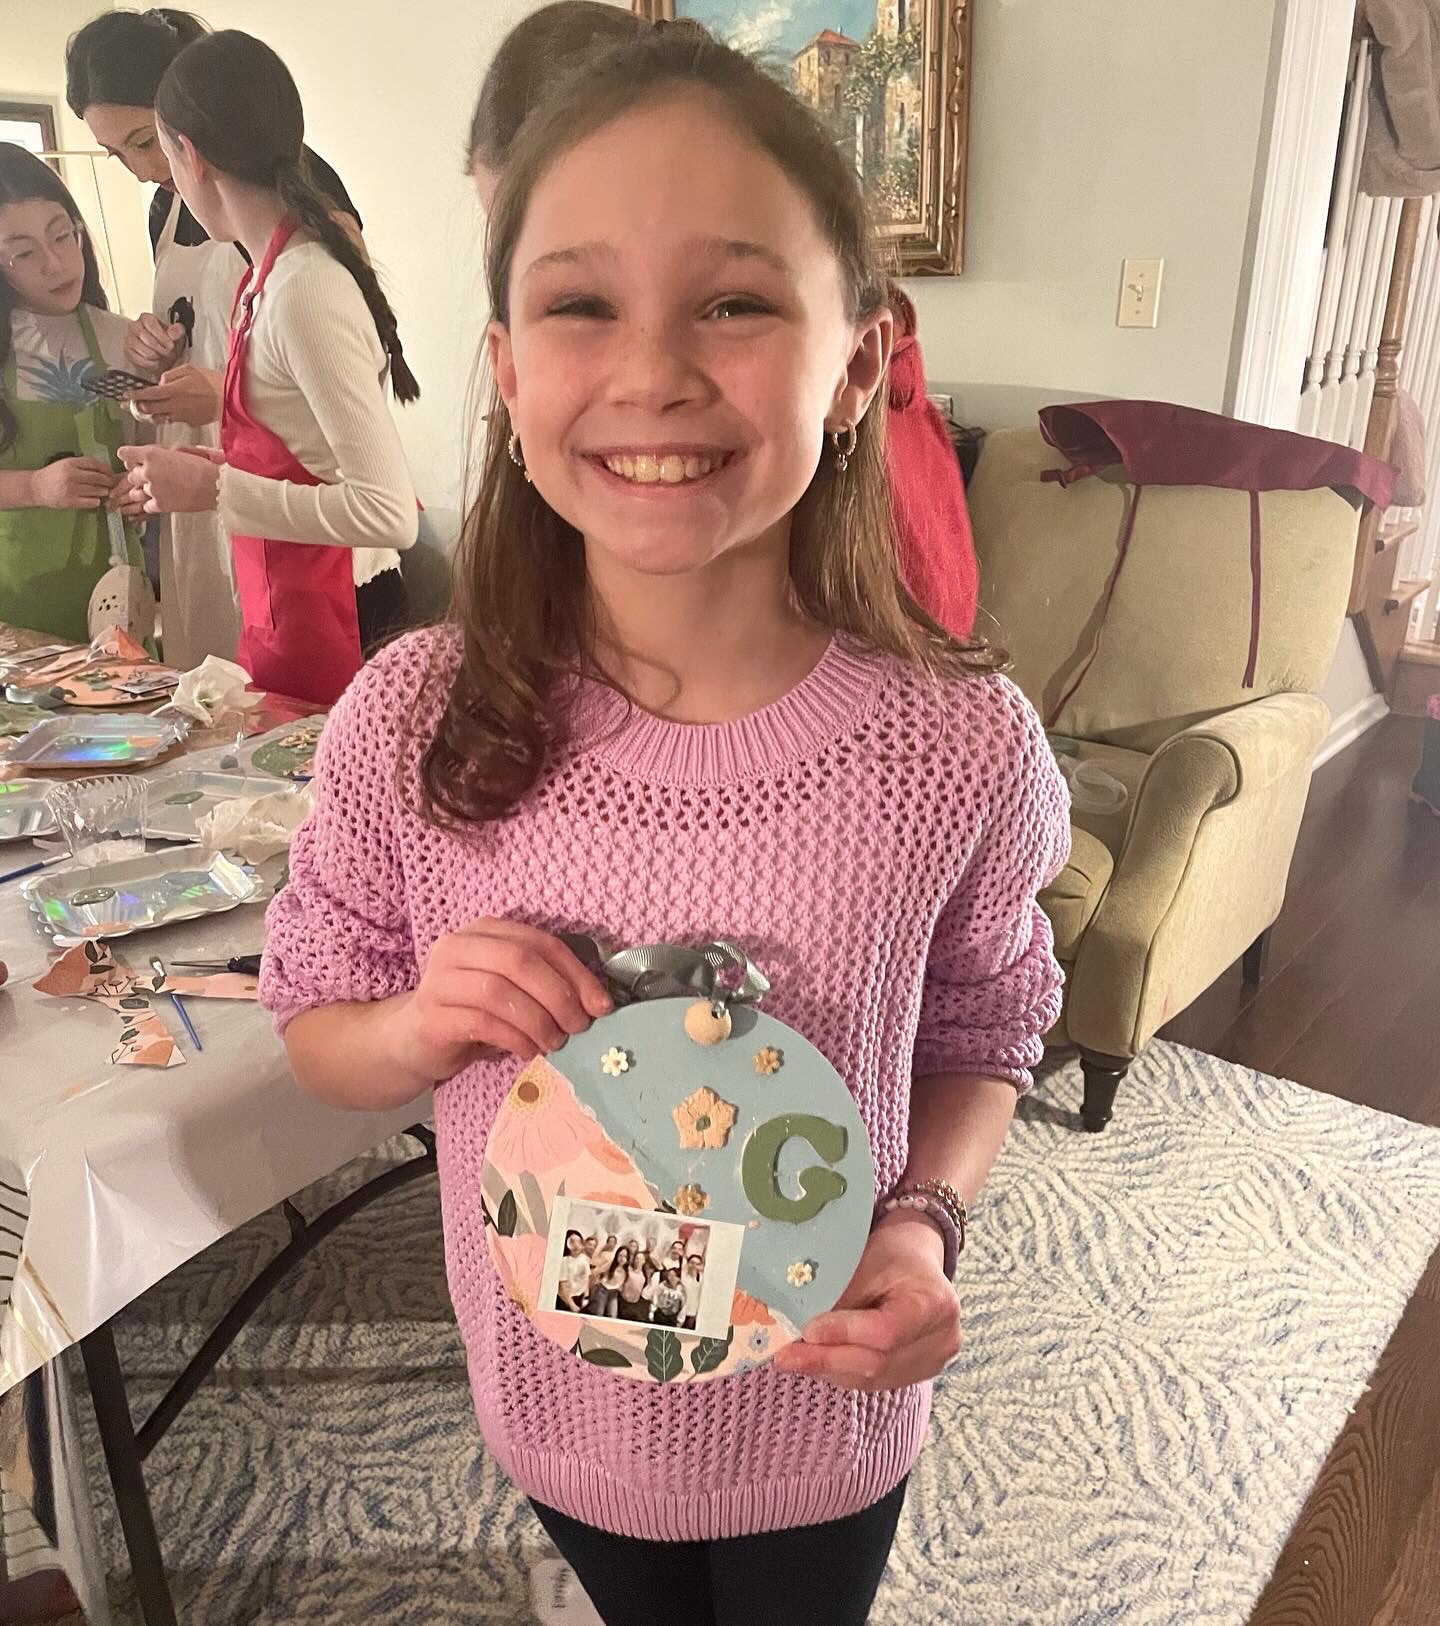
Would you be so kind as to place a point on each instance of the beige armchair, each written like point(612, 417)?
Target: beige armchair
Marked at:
point(1165, 893)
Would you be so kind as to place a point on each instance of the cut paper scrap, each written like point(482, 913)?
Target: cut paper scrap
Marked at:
point(91, 971)
point(113, 671)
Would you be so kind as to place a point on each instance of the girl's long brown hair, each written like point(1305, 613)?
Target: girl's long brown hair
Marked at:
point(519, 587)
point(235, 99)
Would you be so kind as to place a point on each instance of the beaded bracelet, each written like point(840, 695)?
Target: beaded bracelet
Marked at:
point(938, 1201)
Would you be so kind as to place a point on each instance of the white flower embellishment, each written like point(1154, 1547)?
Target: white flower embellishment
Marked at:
point(614, 1062)
point(801, 1273)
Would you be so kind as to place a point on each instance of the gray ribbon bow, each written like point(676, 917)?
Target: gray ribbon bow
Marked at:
point(715, 971)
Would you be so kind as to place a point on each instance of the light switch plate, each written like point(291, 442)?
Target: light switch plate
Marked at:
point(1140, 293)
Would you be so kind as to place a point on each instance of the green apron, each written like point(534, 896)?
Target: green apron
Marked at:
point(51, 558)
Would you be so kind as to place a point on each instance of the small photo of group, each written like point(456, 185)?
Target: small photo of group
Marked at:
point(629, 1264)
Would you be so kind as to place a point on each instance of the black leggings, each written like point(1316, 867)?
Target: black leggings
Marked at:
point(817, 1575)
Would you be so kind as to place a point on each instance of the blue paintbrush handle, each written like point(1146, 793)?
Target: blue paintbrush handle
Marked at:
point(25, 869)
point(181, 1012)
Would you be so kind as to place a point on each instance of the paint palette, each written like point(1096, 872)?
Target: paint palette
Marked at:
point(288, 752)
point(683, 1134)
point(94, 742)
point(138, 894)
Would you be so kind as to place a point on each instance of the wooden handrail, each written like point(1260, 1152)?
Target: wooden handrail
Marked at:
point(1380, 425)
point(1380, 429)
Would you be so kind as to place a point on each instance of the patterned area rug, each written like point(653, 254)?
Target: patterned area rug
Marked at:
point(1168, 1324)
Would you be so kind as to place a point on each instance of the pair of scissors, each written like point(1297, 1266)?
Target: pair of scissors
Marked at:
point(249, 964)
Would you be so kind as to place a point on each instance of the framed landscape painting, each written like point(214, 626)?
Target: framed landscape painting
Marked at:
point(891, 78)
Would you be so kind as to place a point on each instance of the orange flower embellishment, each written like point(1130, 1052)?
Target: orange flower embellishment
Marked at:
point(704, 1120)
point(691, 1200)
point(768, 1061)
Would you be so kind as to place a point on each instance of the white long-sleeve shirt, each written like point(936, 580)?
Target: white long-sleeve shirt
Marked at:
point(314, 374)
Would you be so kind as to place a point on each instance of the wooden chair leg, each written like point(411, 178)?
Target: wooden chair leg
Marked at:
point(1256, 959)
point(1102, 1080)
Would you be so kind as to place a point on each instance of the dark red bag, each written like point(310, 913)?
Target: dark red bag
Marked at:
point(1159, 444)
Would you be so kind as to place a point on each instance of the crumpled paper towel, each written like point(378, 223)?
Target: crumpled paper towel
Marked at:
point(256, 827)
point(213, 687)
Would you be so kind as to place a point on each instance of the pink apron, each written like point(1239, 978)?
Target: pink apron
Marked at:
point(301, 634)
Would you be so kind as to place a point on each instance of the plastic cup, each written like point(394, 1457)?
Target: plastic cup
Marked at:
point(100, 819)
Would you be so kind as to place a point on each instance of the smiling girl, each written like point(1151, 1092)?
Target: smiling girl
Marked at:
point(930, 519)
point(686, 696)
point(57, 439)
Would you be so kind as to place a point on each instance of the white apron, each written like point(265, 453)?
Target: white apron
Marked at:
point(199, 612)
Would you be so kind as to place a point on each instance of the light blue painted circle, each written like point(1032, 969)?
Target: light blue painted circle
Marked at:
point(666, 1066)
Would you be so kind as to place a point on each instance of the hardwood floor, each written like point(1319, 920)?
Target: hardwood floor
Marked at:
point(1351, 1006)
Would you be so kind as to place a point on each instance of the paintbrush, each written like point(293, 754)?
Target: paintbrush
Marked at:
point(178, 1003)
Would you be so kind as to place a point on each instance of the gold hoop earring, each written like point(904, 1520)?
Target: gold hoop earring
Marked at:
point(517, 457)
point(844, 452)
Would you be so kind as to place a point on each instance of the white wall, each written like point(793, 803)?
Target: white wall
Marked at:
point(33, 34)
point(1101, 129)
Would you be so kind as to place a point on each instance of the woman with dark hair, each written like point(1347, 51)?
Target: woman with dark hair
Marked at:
point(310, 482)
point(113, 68)
point(58, 440)
point(605, 1293)
point(572, 1290)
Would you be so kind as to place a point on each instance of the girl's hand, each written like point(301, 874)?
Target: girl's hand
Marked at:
point(151, 346)
point(898, 1322)
point(73, 482)
point(172, 479)
point(495, 985)
point(127, 500)
point(184, 395)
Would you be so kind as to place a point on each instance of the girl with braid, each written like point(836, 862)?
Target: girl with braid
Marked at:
point(310, 479)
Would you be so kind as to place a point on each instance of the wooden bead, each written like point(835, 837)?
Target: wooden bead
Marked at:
point(707, 1023)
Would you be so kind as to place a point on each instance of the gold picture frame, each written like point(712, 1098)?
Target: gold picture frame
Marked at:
point(894, 84)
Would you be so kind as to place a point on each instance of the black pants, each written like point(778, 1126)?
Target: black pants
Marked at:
point(382, 607)
point(818, 1575)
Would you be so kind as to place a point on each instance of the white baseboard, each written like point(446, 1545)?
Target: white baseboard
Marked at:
point(1350, 725)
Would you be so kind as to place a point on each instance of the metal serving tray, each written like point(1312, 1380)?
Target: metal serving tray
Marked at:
point(138, 894)
point(177, 802)
point(87, 741)
point(23, 812)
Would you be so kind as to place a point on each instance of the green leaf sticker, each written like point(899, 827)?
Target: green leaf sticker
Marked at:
point(92, 952)
point(158, 983)
point(505, 1220)
point(662, 1355)
point(130, 1003)
point(129, 1034)
point(609, 1357)
point(710, 1353)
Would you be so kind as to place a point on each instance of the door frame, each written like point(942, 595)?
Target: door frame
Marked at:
point(1277, 307)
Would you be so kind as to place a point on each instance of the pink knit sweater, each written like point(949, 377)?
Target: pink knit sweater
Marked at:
point(875, 842)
